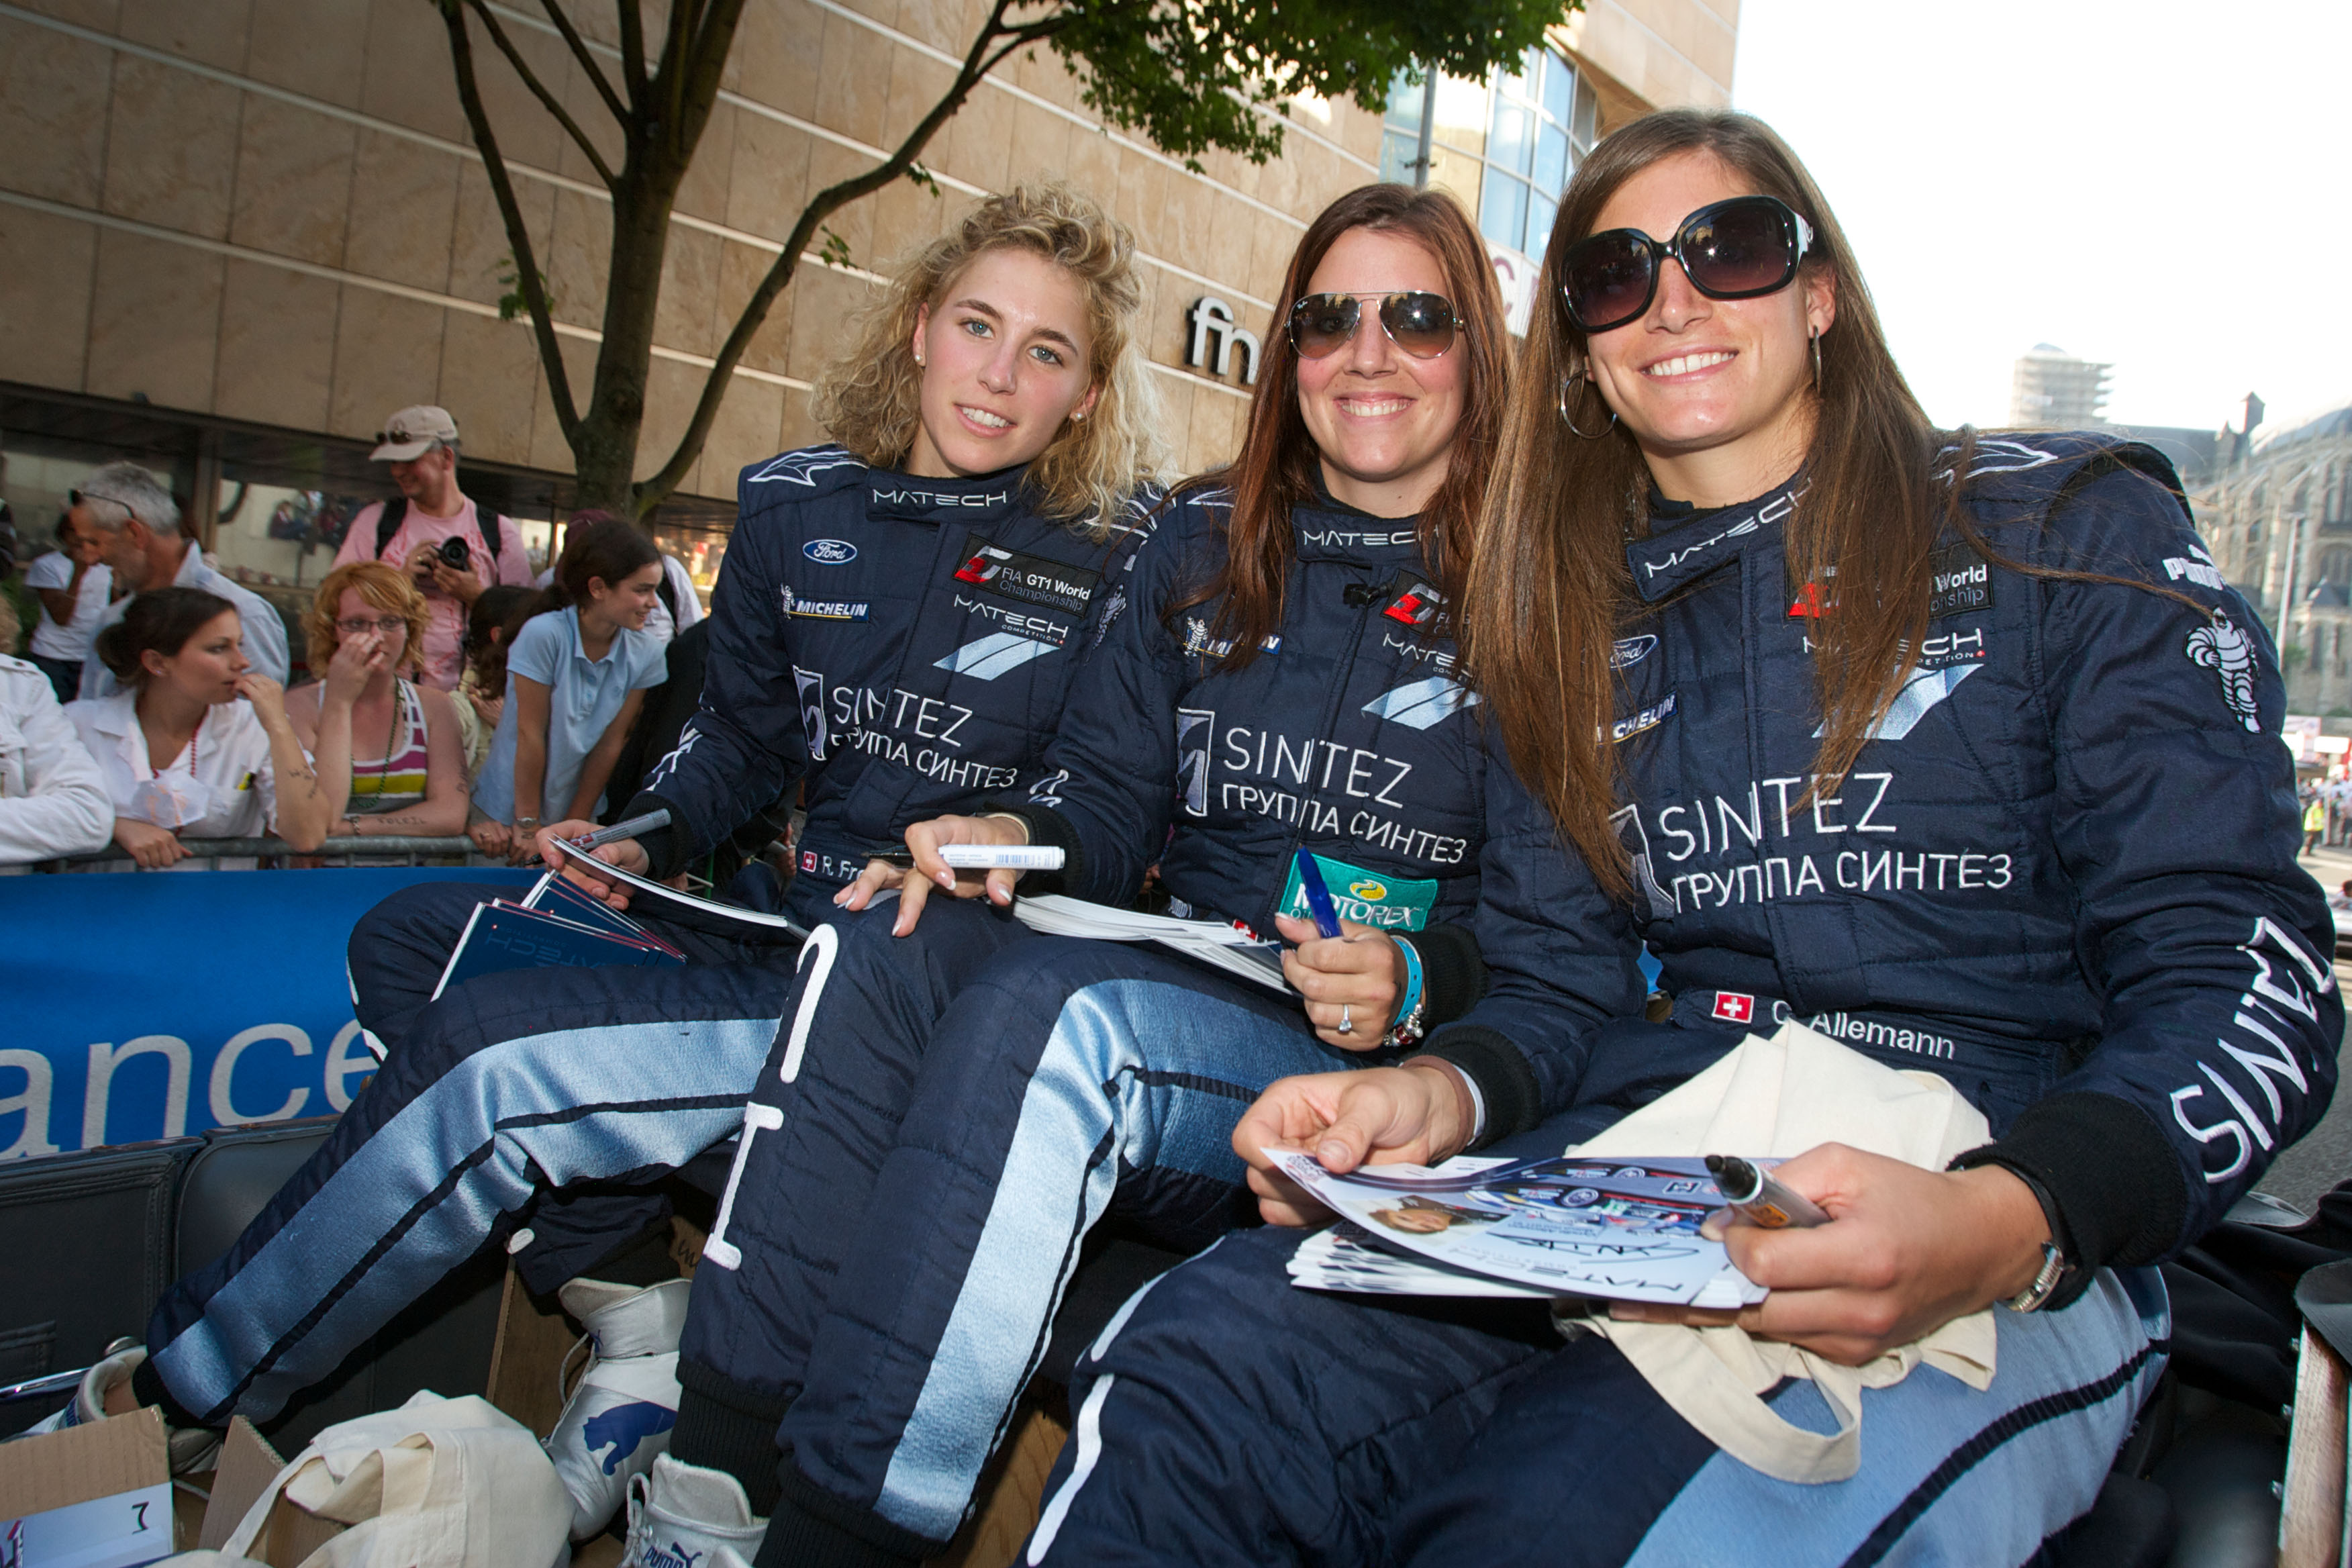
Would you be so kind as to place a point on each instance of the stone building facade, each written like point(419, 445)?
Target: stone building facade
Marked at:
point(2278, 519)
point(236, 234)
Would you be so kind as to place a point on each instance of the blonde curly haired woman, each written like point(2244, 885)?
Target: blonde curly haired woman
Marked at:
point(995, 412)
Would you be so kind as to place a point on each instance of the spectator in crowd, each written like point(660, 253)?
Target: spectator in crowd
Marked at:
point(364, 631)
point(72, 582)
point(436, 534)
point(2314, 819)
point(576, 675)
point(675, 606)
point(490, 628)
point(194, 741)
point(139, 523)
point(52, 798)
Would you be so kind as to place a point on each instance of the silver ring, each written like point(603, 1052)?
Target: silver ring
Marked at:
point(1346, 1022)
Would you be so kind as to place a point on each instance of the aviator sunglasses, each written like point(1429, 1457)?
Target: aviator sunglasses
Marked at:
point(1734, 249)
point(1421, 324)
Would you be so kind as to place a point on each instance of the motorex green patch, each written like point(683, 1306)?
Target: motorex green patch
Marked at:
point(1367, 898)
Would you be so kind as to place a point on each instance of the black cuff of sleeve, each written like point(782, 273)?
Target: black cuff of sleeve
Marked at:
point(2108, 1170)
point(1046, 827)
point(814, 1529)
point(1506, 1082)
point(664, 846)
point(1452, 975)
point(147, 1386)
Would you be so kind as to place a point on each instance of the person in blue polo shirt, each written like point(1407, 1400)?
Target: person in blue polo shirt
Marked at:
point(574, 680)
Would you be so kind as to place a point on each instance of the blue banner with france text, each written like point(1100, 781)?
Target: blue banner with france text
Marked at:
point(149, 1005)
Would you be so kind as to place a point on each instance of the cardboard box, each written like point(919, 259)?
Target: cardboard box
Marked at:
point(93, 1496)
point(246, 1466)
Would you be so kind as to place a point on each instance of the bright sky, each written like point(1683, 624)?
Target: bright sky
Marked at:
point(2158, 184)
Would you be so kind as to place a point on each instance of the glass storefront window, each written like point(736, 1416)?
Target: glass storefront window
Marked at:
point(1533, 150)
point(1505, 147)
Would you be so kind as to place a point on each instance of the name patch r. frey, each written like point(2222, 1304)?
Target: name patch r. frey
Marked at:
point(1028, 579)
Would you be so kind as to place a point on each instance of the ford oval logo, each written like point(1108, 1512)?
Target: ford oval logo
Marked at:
point(830, 552)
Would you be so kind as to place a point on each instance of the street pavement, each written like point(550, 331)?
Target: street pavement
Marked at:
point(2324, 1157)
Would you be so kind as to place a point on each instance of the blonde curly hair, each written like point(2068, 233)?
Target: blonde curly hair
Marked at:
point(870, 400)
point(380, 587)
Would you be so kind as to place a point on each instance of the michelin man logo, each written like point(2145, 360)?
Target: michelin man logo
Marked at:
point(2222, 646)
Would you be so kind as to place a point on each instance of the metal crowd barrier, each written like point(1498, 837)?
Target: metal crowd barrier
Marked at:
point(380, 849)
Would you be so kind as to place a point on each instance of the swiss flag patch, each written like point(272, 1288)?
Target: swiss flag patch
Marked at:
point(1735, 1007)
point(808, 860)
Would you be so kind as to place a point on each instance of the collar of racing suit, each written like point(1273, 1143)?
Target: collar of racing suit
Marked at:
point(1694, 543)
point(892, 495)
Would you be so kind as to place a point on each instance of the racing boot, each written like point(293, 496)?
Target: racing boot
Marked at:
point(619, 1417)
point(191, 1449)
point(683, 1516)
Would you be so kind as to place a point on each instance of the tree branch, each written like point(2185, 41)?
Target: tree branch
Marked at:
point(539, 91)
point(978, 62)
point(587, 61)
point(533, 289)
point(633, 49)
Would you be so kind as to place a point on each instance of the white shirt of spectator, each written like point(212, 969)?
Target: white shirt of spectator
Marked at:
point(220, 786)
point(68, 644)
point(53, 798)
point(264, 636)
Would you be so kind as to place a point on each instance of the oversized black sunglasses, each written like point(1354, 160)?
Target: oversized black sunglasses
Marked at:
point(1734, 249)
point(1422, 324)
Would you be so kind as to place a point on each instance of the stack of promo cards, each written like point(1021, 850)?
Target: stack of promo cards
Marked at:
point(556, 925)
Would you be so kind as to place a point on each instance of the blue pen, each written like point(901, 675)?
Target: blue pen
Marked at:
point(1318, 897)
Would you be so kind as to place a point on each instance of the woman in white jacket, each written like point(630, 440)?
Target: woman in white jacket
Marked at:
point(53, 800)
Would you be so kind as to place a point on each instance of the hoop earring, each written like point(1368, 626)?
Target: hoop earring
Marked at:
point(1579, 381)
point(1816, 337)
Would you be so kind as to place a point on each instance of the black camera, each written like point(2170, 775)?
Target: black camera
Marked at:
point(454, 555)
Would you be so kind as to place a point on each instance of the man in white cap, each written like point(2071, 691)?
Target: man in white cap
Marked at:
point(436, 533)
point(143, 542)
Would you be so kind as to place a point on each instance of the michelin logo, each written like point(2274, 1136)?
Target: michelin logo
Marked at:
point(1423, 703)
point(991, 655)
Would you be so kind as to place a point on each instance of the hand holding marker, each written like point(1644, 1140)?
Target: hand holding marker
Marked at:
point(592, 842)
point(1759, 1200)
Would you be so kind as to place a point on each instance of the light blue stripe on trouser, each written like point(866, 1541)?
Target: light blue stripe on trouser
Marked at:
point(393, 1178)
point(1983, 1491)
point(1105, 1034)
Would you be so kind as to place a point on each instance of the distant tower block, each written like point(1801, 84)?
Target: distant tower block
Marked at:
point(2052, 390)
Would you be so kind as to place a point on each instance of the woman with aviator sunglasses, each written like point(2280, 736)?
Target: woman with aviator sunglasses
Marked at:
point(1954, 748)
point(957, 1100)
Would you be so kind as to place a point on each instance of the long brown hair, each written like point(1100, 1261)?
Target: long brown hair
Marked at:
point(1277, 469)
point(1550, 587)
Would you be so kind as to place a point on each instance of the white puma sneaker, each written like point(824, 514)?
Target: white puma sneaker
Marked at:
point(191, 1449)
point(683, 1516)
point(619, 1417)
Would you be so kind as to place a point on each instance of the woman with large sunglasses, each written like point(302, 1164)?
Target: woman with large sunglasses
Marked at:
point(1956, 750)
point(955, 1104)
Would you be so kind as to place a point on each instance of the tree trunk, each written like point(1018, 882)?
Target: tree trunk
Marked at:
point(604, 449)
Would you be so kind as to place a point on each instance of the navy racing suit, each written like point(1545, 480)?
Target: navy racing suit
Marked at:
point(2061, 874)
point(895, 645)
point(948, 1114)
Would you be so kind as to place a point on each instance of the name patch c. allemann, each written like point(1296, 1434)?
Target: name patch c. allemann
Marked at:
point(1962, 582)
point(1028, 579)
